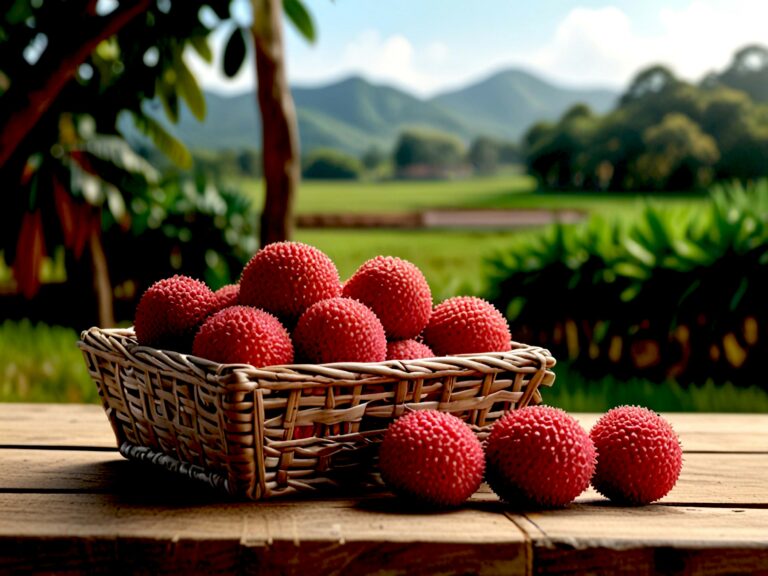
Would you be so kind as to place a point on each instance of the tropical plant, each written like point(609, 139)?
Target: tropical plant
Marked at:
point(676, 293)
point(61, 95)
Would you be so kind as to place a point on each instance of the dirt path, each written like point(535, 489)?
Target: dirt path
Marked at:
point(472, 219)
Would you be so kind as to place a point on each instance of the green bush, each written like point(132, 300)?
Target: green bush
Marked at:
point(674, 294)
point(330, 164)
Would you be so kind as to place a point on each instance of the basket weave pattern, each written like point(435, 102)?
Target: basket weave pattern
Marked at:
point(265, 432)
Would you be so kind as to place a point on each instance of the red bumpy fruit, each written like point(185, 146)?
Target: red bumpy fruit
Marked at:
point(639, 456)
point(244, 335)
point(431, 457)
point(539, 456)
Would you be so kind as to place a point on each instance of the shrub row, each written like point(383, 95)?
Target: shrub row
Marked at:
point(673, 293)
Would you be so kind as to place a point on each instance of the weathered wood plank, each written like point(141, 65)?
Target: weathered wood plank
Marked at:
point(368, 535)
point(651, 561)
point(80, 425)
point(86, 425)
point(647, 540)
point(711, 432)
point(707, 479)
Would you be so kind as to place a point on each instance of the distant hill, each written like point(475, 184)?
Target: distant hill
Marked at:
point(355, 114)
point(508, 102)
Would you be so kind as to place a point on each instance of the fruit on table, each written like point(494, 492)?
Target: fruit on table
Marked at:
point(539, 456)
point(432, 458)
point(639, 457)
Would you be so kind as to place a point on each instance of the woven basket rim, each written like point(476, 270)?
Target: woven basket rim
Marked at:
point(414, 366)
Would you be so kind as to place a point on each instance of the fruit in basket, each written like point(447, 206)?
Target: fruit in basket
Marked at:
point(227, 296)
point(432, 458)
point(244, 335)
point(340, 330)
point(467, 324)
point(170, 312)
point(408, 350)
point(286, 278)
point(539, 456)
point(639, 456)
point(396, 291)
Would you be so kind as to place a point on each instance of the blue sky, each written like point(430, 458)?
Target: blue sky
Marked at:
point(427, 46)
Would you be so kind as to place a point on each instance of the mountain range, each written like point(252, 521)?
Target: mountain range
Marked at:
point(354, 114)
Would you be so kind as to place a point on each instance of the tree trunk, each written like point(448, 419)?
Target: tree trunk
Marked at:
point(280, 142)
point(102, 285)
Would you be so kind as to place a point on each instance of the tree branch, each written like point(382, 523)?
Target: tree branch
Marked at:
point(27, 99)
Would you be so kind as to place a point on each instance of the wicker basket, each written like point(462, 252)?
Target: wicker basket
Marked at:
point(266, 432)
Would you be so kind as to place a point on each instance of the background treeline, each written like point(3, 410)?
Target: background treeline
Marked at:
point(418, 153)
point(664, 134)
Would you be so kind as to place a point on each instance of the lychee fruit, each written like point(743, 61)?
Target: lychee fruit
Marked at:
point(170, 312)
point(396, 291)
point(465, 325)
point(408, 350)
point(244, 335)
point(286, 278)
point(340, 330)
point(539, 456)
point(227, 296)
point(639, 456)
point(431, 457)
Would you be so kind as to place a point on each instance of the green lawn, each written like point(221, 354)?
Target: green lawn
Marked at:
point(453, 262)
point(503, 191)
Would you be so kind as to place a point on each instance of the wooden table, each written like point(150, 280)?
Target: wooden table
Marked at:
point(69, 502)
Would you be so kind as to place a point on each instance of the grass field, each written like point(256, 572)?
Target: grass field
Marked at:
point(504, 191)
point(453, 262)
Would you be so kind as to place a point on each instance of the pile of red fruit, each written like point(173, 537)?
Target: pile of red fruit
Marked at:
point(290, 306)
point(536, 457)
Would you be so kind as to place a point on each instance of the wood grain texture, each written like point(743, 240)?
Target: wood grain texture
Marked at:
point(80, 425)
point(707, 479)
point(595, 538)
point(377, 535)
point(711, 432)
point(70, 503)
point(87, 426)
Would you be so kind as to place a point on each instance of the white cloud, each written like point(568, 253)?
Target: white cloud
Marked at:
point(392, 59)
point(588, 46)
point(437, 52)
point(600, 45)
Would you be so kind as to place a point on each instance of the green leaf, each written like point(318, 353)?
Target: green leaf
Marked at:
point(234, 53)
point(166, 92)
point(739, 294)
point(118, 153)
point(299, 17)
point(200, 44)
point(639, 251)
point(166, 142)
point(189, 89)
point(20, 11)
point(632, 270)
